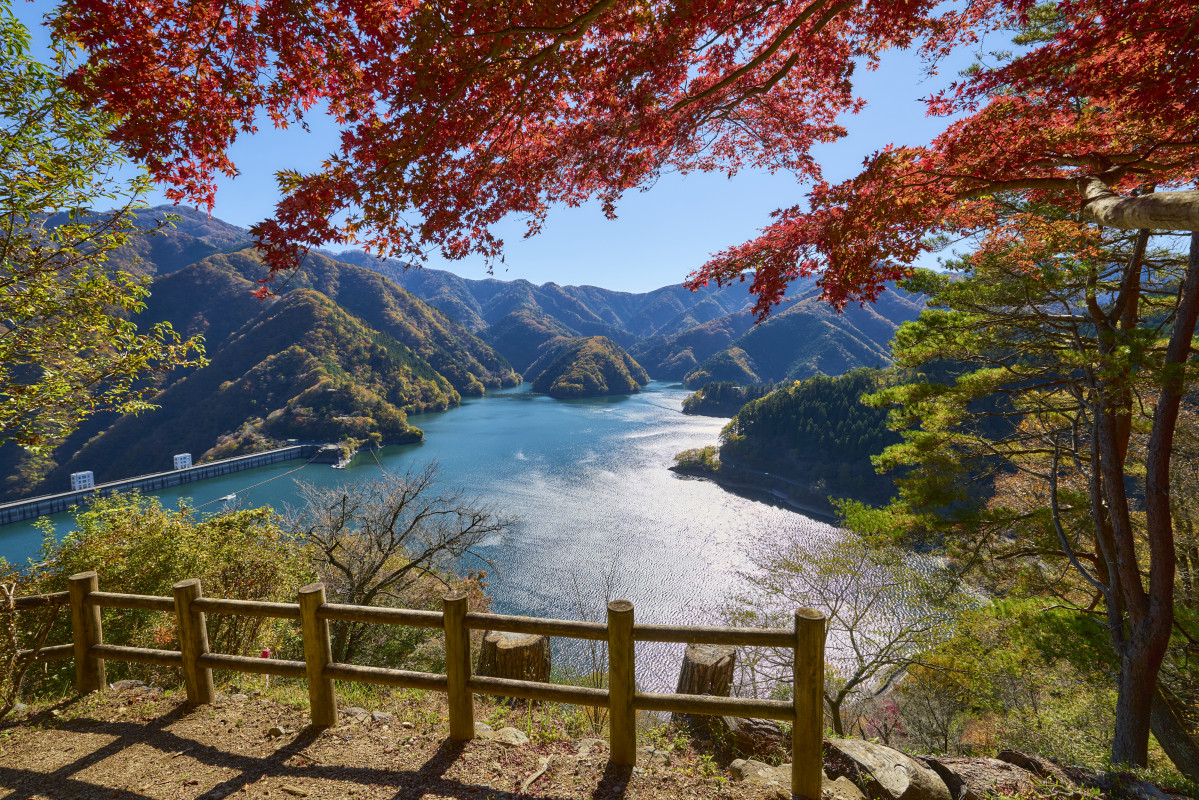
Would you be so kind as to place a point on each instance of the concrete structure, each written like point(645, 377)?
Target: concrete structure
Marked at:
point(82, 480)
point(55, 503)
point(183, 460)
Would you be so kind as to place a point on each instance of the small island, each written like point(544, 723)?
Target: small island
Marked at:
point(591, 366)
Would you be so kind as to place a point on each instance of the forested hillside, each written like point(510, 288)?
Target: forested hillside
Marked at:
point(585, 367)
point(817, 433)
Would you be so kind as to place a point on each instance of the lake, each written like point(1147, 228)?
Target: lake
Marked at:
point(597, 511)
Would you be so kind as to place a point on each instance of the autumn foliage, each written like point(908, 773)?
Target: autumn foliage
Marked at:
point(458, 114)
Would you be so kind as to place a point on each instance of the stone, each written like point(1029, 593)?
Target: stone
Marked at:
point(355, 714)
point(749, 769)
point(275, 731)
point(238, 698)
point(1127, 785)
point(589, 747)
point(510, 737)
point(840, 789)
point(881, 772)
point(748, 737)
point(383, 716)
point(650, 755)
point(980, 778)
point(1041, 767)
point(124, 685)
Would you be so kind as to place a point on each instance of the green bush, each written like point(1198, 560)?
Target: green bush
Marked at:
point(139, 547)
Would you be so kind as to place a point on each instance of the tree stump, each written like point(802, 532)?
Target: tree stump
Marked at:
point(707, 669)
point(517, 656)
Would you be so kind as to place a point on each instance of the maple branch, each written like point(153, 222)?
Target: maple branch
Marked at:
point(770, 50)
point(585, 19)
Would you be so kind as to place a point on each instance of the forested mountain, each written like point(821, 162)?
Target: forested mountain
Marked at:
point(433, 338)
point(816, 433)
point(585, 367)
point(342, 354)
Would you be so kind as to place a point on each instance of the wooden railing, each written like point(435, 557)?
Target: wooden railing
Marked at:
point(622, 699)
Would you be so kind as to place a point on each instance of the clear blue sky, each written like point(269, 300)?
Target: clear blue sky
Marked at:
point(661, 234)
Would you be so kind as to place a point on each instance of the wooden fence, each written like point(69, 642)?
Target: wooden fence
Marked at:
point(621, 698)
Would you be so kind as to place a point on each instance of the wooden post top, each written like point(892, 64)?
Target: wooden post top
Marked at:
point(455, 596)
point(620, 606)
point(812, 614)
point(187, 584)
point(312, 588)
point(83, 576)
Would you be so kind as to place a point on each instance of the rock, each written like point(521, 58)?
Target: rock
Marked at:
point(383, 716)
point(127, 684)
point(980, 778)
point(748, 737)
point(588, 747)
point(649, 755)
point(406, 725)
point(881, 772)
point(752, 770)
point(238, 698)
point(355, 714)
point(1126, 785)
point(510, 736)
point(275, 731)
point(1041, 767)
point(840, 789)
point(294, 791)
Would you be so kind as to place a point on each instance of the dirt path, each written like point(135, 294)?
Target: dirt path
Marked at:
point(140, 746)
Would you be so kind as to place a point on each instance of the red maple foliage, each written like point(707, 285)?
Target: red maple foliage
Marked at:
point(456, 114)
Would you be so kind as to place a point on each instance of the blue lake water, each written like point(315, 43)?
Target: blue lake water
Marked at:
point(597, 512)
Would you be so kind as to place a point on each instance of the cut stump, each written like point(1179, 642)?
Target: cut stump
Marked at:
point(707, 669)
point(516, 656)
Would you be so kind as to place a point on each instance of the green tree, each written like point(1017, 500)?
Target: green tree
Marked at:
point(1074, 343)
point(67, 347)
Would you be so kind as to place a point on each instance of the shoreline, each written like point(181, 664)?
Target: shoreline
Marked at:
point(825, 514)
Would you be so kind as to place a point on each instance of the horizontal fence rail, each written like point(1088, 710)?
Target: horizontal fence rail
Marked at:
point(620, 632)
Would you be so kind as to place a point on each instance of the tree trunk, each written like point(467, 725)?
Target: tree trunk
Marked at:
point(1130, 745)
point(1172, 734)
point(707, 669)
point(517, 656)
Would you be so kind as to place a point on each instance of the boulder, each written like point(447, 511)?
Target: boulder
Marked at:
point(1041, 767)
point(751, 770)
point(748, 737)
point(980, 778)
point(881, 772)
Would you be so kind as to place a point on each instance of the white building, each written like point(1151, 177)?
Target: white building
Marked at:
point(183, 461)
point(82, 480)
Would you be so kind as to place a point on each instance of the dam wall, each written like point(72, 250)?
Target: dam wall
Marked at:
point(33, 507)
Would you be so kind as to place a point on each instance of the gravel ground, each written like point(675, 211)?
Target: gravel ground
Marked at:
point(146, 744)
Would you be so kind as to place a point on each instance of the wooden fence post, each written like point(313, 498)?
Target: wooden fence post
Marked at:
point(193, 643)
point(318, 652)
point(807, 735)
point(86, 631)
point(457, 667)
point(622, 684)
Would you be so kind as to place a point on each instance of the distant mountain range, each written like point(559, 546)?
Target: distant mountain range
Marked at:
point(354, 344)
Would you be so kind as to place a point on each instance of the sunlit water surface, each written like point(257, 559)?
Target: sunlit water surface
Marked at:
point(597, 513)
